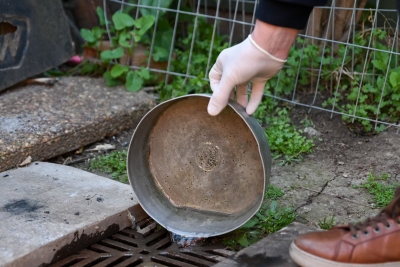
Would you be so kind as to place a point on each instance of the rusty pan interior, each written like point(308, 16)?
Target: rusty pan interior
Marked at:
point(195, 174)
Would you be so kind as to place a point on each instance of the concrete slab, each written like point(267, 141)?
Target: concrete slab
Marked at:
point(47, 121)
point(49, 211)
point(272, 251)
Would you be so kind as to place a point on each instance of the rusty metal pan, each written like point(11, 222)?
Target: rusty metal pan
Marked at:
point(195, 174)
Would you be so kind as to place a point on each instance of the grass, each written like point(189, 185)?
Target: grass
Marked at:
point(270, 218)
point(113, 163)
point(327, 223)
point(379, 188)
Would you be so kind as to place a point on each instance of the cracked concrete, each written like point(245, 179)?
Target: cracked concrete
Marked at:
point(323, 185)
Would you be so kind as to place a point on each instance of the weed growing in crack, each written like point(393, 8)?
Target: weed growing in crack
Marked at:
point(270, 218)
point(287, 143)
point(113, 163)
point(327, 223)
point(378, 186)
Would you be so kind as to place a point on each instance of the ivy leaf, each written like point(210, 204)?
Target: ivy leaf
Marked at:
point(110, 81)
point(88, 36)
point(117, 70)
point(100, 14)
point(112, 54)
point(121, 21)
point(133, 82)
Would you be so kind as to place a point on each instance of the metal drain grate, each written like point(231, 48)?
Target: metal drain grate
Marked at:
point(145, 246)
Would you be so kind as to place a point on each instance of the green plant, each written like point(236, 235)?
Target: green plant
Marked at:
point(113, 163)
point(378, 186)
point(273, 192)
point(286, 142)
point(327, 223)
point(199, 57)
point(126, 33)
point(269, 219)
point(375, 95)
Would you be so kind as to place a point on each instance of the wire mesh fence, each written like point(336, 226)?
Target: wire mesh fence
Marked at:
point(345, 62)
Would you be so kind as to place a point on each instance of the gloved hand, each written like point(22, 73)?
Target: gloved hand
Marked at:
point(236, 66)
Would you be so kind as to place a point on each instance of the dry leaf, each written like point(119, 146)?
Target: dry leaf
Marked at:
point(102, 147)
point(27, 161)
point(79, 151)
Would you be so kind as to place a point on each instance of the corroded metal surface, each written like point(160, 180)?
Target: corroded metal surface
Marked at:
point(144, 246)
point(203, 162)
point(195, 174)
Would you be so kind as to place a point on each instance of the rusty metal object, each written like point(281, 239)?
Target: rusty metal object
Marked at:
point(144, 246)
point(202, 162)
point(195, 174)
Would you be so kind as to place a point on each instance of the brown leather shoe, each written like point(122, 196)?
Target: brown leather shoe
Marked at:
point(374, 242)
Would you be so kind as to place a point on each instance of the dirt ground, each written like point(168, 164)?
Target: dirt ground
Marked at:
point(322, 185)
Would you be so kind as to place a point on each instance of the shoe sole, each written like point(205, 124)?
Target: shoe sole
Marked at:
point(305, 259)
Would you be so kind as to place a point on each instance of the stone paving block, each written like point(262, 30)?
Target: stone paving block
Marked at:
point(272, 251)
point(34, 38)
point(48, 211)
point(47, 121)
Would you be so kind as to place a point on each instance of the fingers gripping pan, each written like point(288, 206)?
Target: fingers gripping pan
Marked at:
point(195, 174)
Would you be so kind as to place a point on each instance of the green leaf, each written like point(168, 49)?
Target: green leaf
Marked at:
point(154, 3)
point(97, 32)
point(133, 82)
point(88, 36)
point(110, 81)
point(117, 70)
point(112, 54)
point(100, 14)
point(144, 23)
point(379, 64)
point(87, 68)
point(144, 73)
point(123, 40)
point(242, 240)
point(394, 79)
point(160, 54)
point(251, 223)
point(122, 21)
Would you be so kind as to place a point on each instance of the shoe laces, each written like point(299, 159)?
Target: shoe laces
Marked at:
point(391, 211)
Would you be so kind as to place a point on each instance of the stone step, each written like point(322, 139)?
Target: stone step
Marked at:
point(272, 251)
point(49, 211)
point(46, 121)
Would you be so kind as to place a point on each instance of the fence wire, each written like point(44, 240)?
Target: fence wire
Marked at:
point(345, 62)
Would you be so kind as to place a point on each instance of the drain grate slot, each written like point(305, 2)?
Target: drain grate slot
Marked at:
point(124, 239)
point(145, 246)
point(188, 259)
point(203, 257)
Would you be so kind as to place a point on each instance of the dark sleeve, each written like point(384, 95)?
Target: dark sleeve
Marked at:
point(287, 13)
point(398, 6)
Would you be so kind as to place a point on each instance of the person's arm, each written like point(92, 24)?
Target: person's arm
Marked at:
point(260, 56)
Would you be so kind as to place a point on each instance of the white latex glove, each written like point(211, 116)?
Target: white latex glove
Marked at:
point(236, 66)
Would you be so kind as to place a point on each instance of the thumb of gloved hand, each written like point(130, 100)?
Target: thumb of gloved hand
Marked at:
point(236, 66)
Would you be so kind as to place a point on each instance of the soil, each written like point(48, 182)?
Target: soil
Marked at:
point(322, 185)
